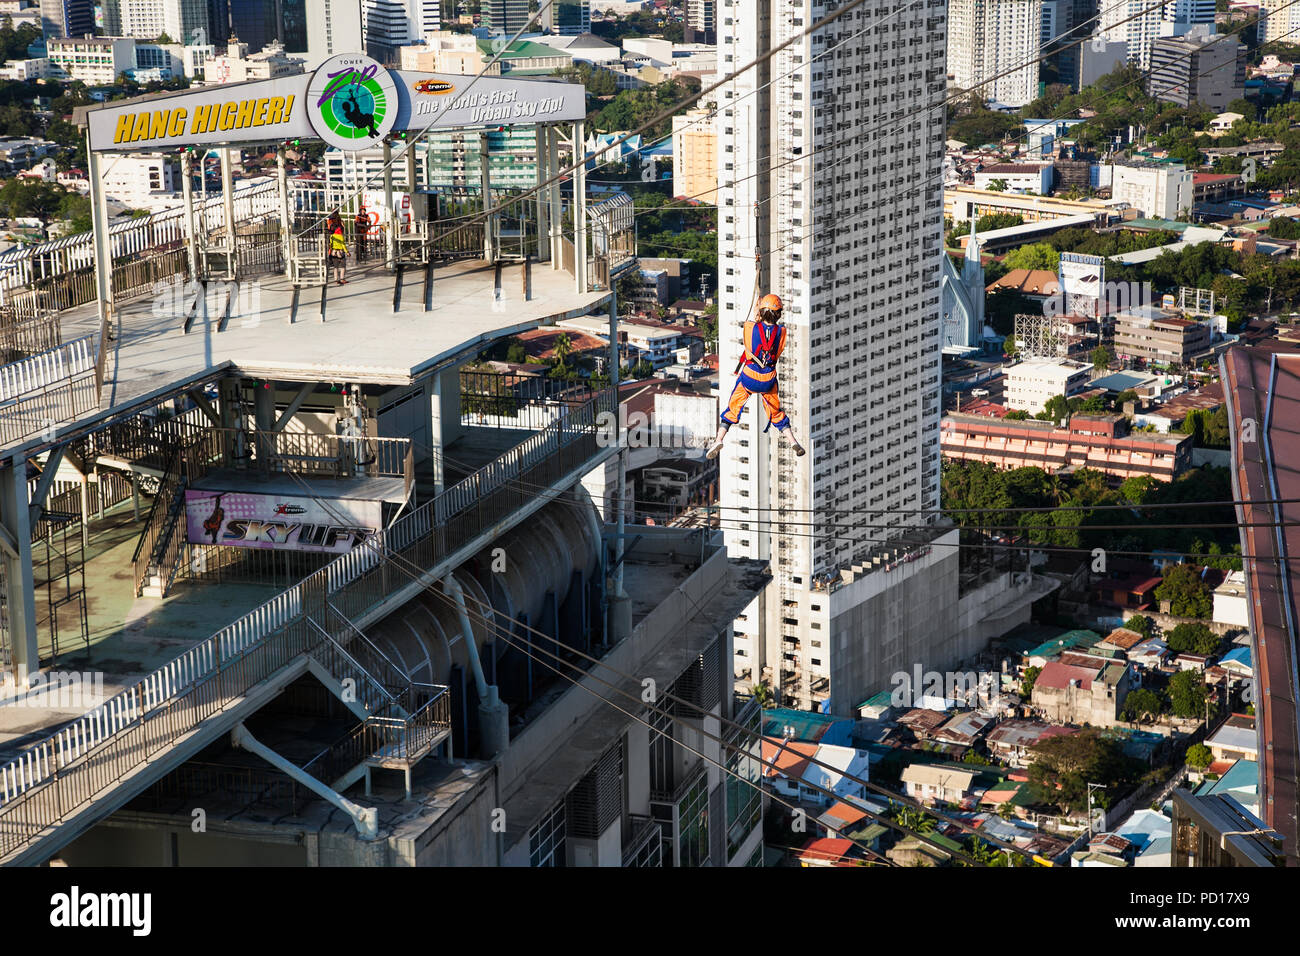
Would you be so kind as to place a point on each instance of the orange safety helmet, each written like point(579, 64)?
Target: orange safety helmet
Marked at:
point(770, 303)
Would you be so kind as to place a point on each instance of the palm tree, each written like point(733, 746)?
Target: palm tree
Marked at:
point(914, 819)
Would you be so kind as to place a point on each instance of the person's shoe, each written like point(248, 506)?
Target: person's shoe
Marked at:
point(714, 449)
point(798, 448)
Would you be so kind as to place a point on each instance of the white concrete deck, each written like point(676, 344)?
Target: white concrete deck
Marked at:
point(361, 340)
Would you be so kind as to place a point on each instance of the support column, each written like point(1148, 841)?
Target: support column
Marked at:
point(543, 195)
point(103, 247)
point(228, 200)
point(85, 509)
point(580, 207)
point(20, 585)
point(410, 168)
point(620, 605)
point(286, 220)
point(389, 216)
point(191, 230)
point(485, 184)
point(264, 415)
point(556, 197)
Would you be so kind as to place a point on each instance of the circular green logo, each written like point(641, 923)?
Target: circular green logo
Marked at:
point(352, 101)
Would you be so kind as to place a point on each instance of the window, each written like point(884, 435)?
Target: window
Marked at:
point(546, 840)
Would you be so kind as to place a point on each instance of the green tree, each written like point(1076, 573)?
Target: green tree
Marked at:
point(1141, 624)
point(1038, 255)
point(1186, 593)
point(1142, 705)
point(1063, 767)
point(1188, 638)
point(997, 186)
point(1057, 409)
point(1283, 227)
point(1199, 756)
point(1187, 694)
point(1027, 681)
point(1100, 357)
point(1017, 415)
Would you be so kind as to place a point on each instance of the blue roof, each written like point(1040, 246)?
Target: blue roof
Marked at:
point(806, 726)
point(1065, 642)
point(1120, 381)
point(1242, 775)
point(1238, 655)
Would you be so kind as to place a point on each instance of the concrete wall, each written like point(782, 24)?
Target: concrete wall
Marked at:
point(121, 842)
point(903, 617)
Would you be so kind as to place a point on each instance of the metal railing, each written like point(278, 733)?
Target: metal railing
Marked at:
point(389, 741)
point(60, 775)
point(24, 336)
point(38, 412)
point(248, 786)
point(47, 368)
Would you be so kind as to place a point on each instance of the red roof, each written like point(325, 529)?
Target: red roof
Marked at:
point(1057, 675)
point(1198, 178)
point(846, 812)
point(790, 762)
point(828, 849)
point(982, 406)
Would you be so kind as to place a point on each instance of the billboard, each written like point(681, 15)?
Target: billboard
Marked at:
point(350, 102)
point(247, 520)
point(1082, 275)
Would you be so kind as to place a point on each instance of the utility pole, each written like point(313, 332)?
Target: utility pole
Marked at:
point(1091, 787)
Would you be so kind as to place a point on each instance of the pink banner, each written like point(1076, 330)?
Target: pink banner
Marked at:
point(244, 520)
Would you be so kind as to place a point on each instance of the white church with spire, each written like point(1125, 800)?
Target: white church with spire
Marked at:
point(963, 298)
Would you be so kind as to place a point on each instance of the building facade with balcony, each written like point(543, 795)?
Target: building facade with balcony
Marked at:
point(1161, 339)
point(1087, 441)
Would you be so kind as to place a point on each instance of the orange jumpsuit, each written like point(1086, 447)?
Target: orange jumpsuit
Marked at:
point(765, 342)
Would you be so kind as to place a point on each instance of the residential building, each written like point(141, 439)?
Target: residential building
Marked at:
point(1136, 22)
point(505, 17)
point(695, 156)
point(818, 769)
point(142, 181)
point(1076, 694)
point(1158, 337)
point(38, 68)
point(995, 43)
point(937, 783)
point(1098, 56)
point(149, 19)
point(22, 12)
point(388, 25)
point(569, 18)
point(96, 61)
point(1157, 190)
point(856, 262)
point(346, 171)
point(455, 158)
point(960, 203)
point(1017, 177)
point(701, 21)
point(1013, 740)
point(1030, 384)
point(1230, 599)
point(446, 52)
point(67, 18)
point(237, 65)
point(1087, 441)
point(1280, 20)
point(1197, 68)
point(1235, 739)
point(332, 27)
point(1187, 15)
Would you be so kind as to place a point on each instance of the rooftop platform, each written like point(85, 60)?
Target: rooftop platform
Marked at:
point(362, 339)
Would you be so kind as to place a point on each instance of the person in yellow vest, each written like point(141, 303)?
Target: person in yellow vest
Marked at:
point(338, 250)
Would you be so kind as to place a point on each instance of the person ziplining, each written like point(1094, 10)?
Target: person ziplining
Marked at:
point(763, 341)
